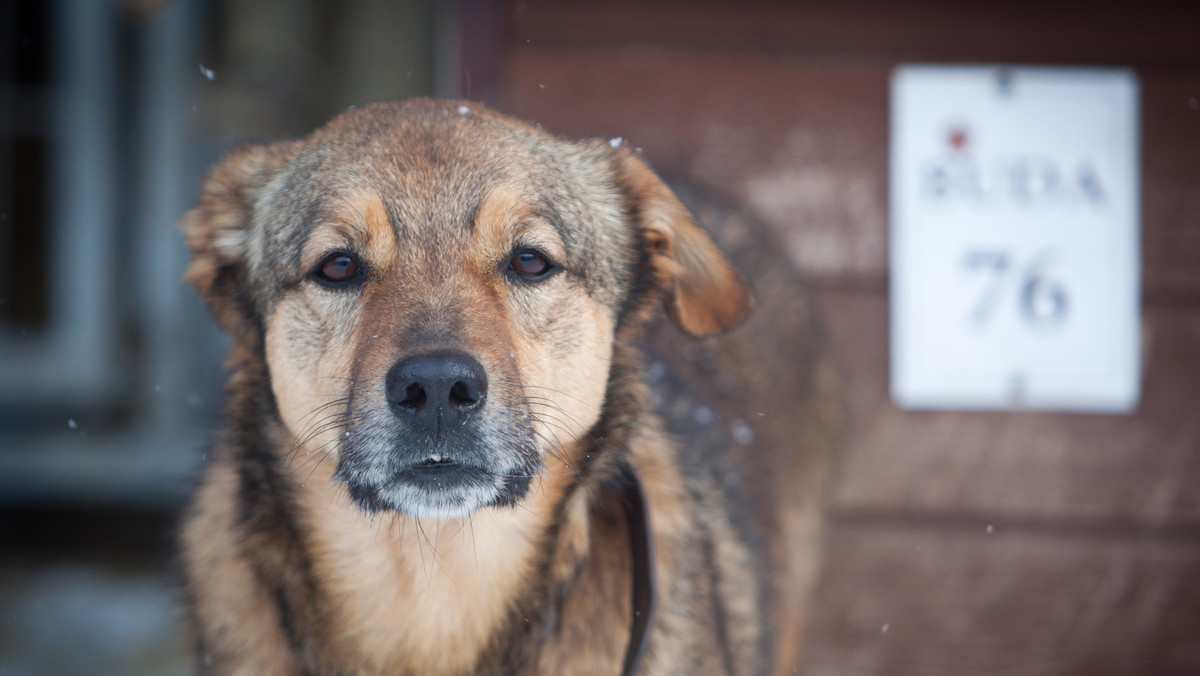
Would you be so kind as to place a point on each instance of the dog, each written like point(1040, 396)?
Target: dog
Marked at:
point(440, 454)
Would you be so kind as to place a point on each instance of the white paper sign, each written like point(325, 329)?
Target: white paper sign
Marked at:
point(1014, 238)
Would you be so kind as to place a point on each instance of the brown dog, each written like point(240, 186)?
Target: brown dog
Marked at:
point(440, 456)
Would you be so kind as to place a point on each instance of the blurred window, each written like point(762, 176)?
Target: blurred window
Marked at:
point(24, 162)
point(57, 336)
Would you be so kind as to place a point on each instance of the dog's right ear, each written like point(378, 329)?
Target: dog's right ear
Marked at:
point(703, 293)
point(218, 232)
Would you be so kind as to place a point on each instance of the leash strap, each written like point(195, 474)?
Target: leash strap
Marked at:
point(645, 580)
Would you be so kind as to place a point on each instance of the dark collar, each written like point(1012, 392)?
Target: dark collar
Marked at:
point(641, 546)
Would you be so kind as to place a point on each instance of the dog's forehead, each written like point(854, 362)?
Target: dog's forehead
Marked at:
point(429, 163)
point(434, 164)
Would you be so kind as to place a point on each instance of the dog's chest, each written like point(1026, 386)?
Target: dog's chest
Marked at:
point(420, 596)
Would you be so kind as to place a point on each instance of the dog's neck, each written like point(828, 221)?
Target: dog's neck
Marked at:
point(492, 587)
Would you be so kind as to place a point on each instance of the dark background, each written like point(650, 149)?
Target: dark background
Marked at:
point(956, 543)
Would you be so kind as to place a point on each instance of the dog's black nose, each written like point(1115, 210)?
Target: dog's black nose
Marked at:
point(435, 389)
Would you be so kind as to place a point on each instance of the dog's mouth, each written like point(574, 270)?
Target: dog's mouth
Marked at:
point(435, 473)
point(437, 486)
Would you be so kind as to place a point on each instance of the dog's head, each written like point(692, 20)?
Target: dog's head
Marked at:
point(436, 290)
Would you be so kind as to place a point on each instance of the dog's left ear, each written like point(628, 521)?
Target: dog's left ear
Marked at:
point(704, 294)
point(218, 232)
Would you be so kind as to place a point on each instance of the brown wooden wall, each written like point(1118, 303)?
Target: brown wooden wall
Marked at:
point(959, 543)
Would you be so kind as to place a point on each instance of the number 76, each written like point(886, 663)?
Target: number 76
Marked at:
point(1043, 300)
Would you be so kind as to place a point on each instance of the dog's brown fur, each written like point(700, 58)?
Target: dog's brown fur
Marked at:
point(297, 561)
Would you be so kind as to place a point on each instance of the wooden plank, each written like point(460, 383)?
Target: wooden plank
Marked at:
point(900, 600)
point(1141, 470)
point(804, 143)
point(924, 30)
point(1170, 174)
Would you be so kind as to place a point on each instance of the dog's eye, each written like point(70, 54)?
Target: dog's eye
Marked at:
point(530, 264)
point(337, 268)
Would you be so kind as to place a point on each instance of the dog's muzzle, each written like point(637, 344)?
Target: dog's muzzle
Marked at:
point(441, 451)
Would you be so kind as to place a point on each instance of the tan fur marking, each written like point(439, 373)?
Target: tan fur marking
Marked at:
point(505, 218)
point(241, 619)
point(364, 229)
point(569, 387)
point(502, 210)
point(304, 382)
